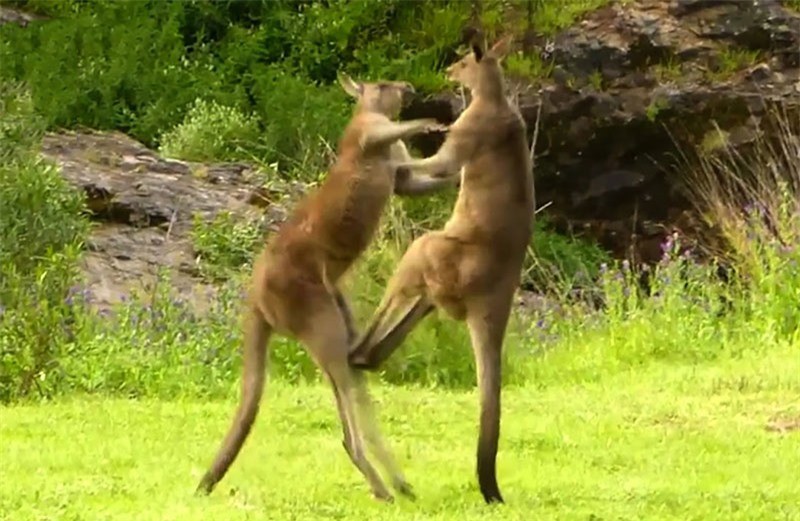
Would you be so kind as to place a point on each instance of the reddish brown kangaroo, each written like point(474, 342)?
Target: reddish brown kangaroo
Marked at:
point(472, 267)
point(294, 283)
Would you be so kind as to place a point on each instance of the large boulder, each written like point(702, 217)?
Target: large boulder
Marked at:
point(143, 206)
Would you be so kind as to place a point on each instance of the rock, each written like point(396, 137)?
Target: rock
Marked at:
point(15, 16)
point(667, 71)
point(143, 206)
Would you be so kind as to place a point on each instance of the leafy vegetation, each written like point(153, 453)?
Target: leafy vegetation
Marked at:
point(42, 230)
point(210, 132)
point(256, 79)
point(172, 65)
point(225, 244)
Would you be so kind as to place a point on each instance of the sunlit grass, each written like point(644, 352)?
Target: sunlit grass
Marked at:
point(662, 442)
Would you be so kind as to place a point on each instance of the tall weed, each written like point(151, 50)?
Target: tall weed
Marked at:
point(751, 197)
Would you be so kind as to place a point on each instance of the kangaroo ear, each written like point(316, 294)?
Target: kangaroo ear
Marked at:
point(478, 45)
point(349, 85)
point(501, 48)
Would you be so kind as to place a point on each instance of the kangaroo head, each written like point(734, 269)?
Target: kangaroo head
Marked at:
point(480, 70)
point(384, 97)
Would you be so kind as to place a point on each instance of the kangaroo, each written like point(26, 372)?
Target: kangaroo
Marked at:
point(472, 267)
point(294, 282)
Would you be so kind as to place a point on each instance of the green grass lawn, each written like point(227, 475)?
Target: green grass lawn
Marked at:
point(662, 442)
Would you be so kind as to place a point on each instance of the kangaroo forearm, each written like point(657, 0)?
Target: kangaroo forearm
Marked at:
point(392, 131)
point(440, 165)
point(419, 185)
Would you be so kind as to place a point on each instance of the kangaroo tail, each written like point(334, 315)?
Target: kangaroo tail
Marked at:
point(257, 333)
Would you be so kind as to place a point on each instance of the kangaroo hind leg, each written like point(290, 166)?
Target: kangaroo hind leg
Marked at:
point(374, 438)
point(403, 305)
point(327, 342)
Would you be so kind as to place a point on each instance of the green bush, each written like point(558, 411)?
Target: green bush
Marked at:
point(139, 67)
point(302, 122)
point(225, 244)
point(154, 344)
point(210, 132)
point(557, 264)
point(42, 229)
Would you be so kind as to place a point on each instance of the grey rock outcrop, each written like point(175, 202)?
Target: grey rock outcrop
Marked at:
point(143, 206)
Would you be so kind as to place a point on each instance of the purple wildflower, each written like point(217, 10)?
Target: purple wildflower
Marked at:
point(666, 246)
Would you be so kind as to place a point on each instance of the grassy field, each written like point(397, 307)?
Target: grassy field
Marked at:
point(662, 442)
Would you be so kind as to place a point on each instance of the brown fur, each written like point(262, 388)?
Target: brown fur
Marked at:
point(472, 267)
point(294, 286)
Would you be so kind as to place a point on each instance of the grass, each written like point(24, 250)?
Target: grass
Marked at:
point(729, 61)
point(668, 70)
point(530, 67)
point(661, 442)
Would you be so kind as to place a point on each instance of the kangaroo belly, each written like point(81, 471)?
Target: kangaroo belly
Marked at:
point(360, 219)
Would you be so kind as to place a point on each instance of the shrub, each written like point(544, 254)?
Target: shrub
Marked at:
point(42, 228)
point(210, 132)
point(302, 122)
point(557, 264)
point(139, 67)
point(155, 344)
point(225, 244)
